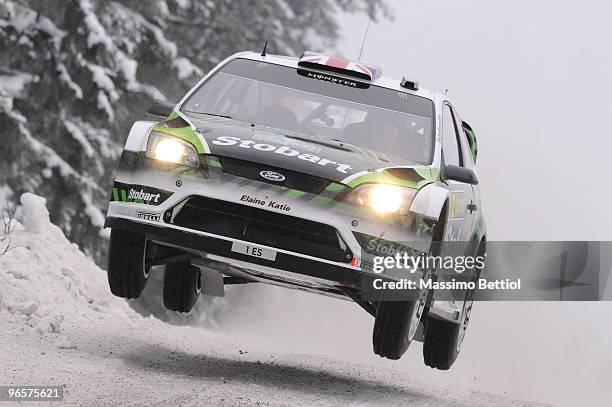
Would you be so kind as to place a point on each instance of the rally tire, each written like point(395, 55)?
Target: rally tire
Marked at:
point(181, 286)
point(443, 339)
point(127, 272)
point(395, 325)
point(440, 345)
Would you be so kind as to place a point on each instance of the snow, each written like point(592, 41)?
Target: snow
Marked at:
point(151, 91)
point(102, 79)
point(36, 215)
point(97, 34)
point(185, 4)
point(46, 25)
point(128, 67)
point(168, 47)
point(24, 18)
point(49, 155)
point(105, 105)
point(79, 136)
point(5, 194)
point(95, 214)
point(67, 79)
point(14, 85)
point(101, 137)
point(46, 280)
point(286, 8)
point(163, 8)
point(185, 68)
point(26, 41)
point(60, 324)
point(123, 63)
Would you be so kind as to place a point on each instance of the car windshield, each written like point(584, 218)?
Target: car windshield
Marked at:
point(319, 106)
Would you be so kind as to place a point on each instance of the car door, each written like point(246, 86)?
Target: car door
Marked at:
point(460, 219)
point(474, 207)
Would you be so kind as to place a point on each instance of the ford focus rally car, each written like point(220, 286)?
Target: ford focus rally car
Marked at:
point(300, 172)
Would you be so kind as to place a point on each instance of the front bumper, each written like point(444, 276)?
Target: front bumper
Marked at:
point(209, 244)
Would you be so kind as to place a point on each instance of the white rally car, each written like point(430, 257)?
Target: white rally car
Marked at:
point(300, 172)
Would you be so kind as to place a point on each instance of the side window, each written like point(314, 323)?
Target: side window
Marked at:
point(449, 138)
point(466, 154)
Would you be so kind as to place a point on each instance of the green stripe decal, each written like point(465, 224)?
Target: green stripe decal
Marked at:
point(385, 177)
point(214, 162)
point(294, 194)
point(335, 187)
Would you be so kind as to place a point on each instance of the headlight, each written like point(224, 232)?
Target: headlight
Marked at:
point(383, 198)
point(170, 149)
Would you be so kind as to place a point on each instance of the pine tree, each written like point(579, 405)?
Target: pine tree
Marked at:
point(75, 74)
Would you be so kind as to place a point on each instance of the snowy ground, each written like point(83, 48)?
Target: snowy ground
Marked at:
point(147, 363)
point(59, 325)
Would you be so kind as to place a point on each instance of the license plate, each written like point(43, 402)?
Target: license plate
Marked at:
point(252, 250)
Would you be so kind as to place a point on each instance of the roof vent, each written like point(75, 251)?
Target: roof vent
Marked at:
point(408, 84)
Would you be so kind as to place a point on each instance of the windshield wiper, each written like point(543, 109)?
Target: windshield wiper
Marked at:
point(339, 145)
point(209, 114)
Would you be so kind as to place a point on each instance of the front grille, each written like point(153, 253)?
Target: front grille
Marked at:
point(260, 226)
point(293, 179)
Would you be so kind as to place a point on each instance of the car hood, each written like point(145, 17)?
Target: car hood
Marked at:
point(281, 149)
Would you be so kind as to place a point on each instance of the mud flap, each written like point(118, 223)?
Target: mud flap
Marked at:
point(211, 282)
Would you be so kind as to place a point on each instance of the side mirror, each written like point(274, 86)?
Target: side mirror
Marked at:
point(460, 174)
point(160, 109)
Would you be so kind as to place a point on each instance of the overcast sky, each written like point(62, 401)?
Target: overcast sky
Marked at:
point(533, 79)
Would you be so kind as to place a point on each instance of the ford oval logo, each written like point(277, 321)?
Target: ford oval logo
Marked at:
point(272, 176)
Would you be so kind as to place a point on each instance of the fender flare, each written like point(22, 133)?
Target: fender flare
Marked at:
point(137, 139)
point(429, 201)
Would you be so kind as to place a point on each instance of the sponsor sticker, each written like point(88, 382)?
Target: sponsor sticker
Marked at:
point(139, 194)
point(265, 203)
point(333, 79)
point(153, 217)
point(281, 150)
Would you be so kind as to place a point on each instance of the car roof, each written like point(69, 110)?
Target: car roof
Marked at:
point(381, 80)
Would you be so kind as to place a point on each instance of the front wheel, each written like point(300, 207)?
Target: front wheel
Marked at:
point(395, 325)
point(127, 272)
point(443, 339)
point(182, 286)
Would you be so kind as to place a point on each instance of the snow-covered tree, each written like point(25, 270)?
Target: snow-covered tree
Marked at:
point(75, 74)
